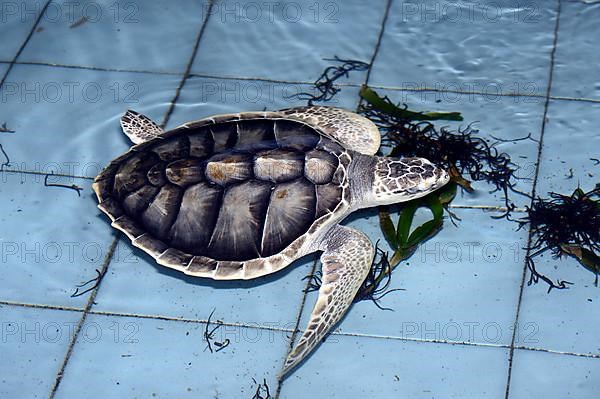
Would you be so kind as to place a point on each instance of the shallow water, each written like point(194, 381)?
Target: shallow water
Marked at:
point(69, 71)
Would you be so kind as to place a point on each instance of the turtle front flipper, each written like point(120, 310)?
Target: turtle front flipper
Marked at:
point(353, 131)
point(139, 128)
point(347, 258)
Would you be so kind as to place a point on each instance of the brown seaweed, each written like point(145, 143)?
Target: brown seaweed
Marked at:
point(565, 225)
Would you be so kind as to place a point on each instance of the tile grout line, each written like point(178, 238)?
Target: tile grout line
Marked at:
point(556, 352)
point(33, 28)
point(296, 330)
point(108, 313)
point(92, 68)
point(281, 378)
point(379, 39)
point(533, 193)
point(86, 311)
point(283, 81)
point(40, 306)
point(38, 173)
point(188, 68)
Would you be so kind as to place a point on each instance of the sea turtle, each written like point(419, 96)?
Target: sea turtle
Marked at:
point(240, 196)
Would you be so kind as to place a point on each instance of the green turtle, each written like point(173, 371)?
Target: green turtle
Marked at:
point(240, 196)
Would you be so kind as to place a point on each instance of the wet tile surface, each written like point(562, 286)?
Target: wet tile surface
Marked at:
point(577, 36)
point(33, 345)
point(202, 97)
point(554, 376)
point(43, 260)
point(143, 336)
point(562, 168)
point(433, 44)
point(136, 284)
point(18, 18)
point(386, 368)
point(566, 320)
point(157, 358)
point(67, 28)
point(280, 31)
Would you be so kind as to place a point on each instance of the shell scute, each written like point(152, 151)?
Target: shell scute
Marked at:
point(229, 168)
point(201, 265)
point(160, 214)
point(224, 136)
point(112, 208)
point(185, 172)
point(156, 175)
point(237, 233)
point(201, 142)
point(291, 135)
point(173, 148)
point(229, 270)
point(255, 133)
point(151, 245)
point(138, 201)
point(320, 166)
point(328, 197)
point(197, 217)
point(132, 174)
point(129, 226)
point(174, 258)
point(291, 211)
point(278, 165)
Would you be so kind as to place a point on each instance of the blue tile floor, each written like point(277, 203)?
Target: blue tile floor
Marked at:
point(464, 325)
point(3, 68)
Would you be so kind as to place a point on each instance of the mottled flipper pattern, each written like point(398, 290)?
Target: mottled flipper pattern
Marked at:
point(139, 128)
point(355, 132)
point(347, 258)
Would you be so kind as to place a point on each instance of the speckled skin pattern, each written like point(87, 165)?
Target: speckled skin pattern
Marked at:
point(345, 255)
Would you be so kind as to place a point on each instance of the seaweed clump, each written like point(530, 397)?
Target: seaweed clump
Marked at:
point(324, 87)
point(262, 389)
point(462, 153)
point(377, 282)
point(209, 336)
point(7, 159)
point(74, 187)
point(565, 225)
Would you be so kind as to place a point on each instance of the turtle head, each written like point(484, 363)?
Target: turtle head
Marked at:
point(403, 179)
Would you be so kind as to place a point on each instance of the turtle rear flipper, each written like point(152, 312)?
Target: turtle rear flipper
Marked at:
point(346, 261)
point(139, 128)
